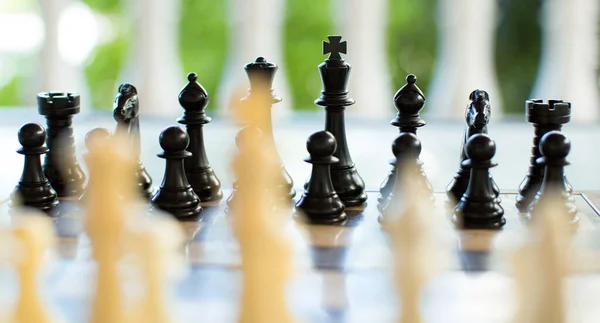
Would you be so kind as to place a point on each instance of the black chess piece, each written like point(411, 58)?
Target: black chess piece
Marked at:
point(477, 117)
point(33, 189)
point(334, 97)
point(319, 202)
point(406, 149)
point(554, 148)
point(260, 74)
point(479, 207)
point(409, 101)
point(175, 194)
point(60, 164)
point(544, 117)
point(96, 135)
point(126, 113)
point(194, 98)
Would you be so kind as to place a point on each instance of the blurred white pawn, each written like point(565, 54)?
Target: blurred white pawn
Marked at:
point(33, 236)
point(155, 246)
point(413, 237)
point(541, 266)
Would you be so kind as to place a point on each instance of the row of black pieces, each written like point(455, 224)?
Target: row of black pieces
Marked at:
point(479, 207)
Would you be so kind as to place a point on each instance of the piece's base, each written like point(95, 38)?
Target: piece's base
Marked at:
point(470, 223)
point(300, 216)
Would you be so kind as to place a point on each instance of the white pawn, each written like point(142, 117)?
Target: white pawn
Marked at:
point(33, 234)
point(111, 167)
point(413, 246)
point(156, 244)
point(541, 266)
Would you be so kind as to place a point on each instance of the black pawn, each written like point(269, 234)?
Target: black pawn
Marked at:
point(33, 189)
point(94, 136)
point(175, 194)
point(409, 102)
point(406, 149)
point(545, 117)
point(319, 202)
point(555, 148)
point(335, 73)
point(261, 74)
point(60, 165)
point(477, 117)
point(479, 208)
point(194, 98)
point(244, 135)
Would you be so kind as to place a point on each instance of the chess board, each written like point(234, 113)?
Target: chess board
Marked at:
point(342, 272)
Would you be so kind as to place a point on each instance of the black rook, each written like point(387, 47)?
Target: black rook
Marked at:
point(60, 165)
point(544, 117)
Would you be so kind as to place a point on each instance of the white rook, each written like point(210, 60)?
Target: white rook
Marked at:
point(154, 64)
point(465, 59)
point(569, 59)
point(255, 30)
point(363, 25)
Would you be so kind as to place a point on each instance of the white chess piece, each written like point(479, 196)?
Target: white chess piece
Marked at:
point(541, 265)
point(265, 251)
point(156, 243)
point(33, 234)
point(111, 168)
point(413, 245)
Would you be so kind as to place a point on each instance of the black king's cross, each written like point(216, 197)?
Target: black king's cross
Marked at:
point(334, 47)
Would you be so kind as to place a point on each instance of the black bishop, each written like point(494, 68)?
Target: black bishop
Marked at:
point(194, 99)
point(33, 189)
point(335, 73)
point(479, 207)
point(408, 101)
point(175, 194)
point(554, 148)
point(320, 203)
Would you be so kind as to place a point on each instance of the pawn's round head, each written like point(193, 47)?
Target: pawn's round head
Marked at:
point(321, 144)
point(246, 135)
point(480, 147)
point(555, 145)
point(406, 145)
point(32, 135)
point(96, 136)
point(173, 139)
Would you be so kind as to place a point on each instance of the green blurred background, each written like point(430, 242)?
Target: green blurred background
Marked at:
point(411, 36)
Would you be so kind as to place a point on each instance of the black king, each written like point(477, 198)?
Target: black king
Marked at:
point(334, 74)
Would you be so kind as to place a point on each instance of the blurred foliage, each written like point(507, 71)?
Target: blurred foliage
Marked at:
point(203, 42)
point(104, 6)
point(305, 26)
point(9, 93)
point(102, 72)
point(518, 37)
point(411, 41)
point(411, 47)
